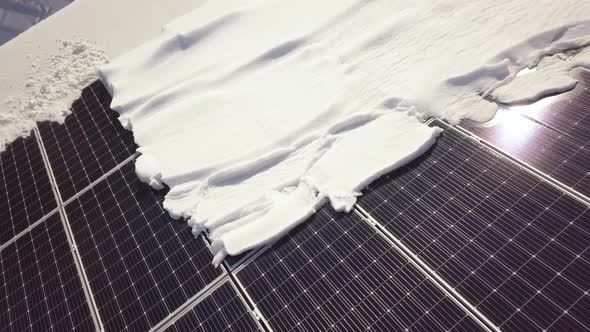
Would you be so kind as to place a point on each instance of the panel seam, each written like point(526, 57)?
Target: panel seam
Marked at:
point(28, 229)
point(189, 304)
point(93, 308)
point(251, 304)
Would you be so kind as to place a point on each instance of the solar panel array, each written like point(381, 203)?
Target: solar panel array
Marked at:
point(40, 289)
point(554, 138)
point(512, 245)
point(464, 239)
point(25, 192)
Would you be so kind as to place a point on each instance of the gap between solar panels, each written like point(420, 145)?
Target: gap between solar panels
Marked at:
point(70, 237)
point(408, 189)
point(206, 293)
point(28, 229)
point(251, 304)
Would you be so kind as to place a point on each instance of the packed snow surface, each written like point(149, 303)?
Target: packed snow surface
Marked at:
point(255, 113)
point(52, 84)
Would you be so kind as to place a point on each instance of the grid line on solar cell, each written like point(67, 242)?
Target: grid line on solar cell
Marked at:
point(222, 310)
point(90, 142)
point(493, 231)
point(141, 264)
point(40, 287)
point(335, 272)
point(554, 139)
point(25, 191)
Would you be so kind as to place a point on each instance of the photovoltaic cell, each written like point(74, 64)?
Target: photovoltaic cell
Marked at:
point(335, 272)
point(222, 310)
point(552, 135)
point(512, 245)
point(141, 264)
point(25, 191)
point(40, 289)
point(89, 144)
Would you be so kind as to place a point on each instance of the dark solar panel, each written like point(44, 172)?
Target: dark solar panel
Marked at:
point(89, 144)
point(25, 191)
point(512, 245)
point(222, 310)
point(40, 289)
point(335, 272)
point(554, 138)
point(141, 264)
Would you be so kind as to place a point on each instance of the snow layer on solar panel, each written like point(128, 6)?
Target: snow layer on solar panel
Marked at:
point(256, 112)
point(53, 83)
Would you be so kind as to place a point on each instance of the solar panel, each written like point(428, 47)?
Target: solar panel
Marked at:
point(89, 144)
point(25, 191)
point(335, 272)
point(512, 245)
point(554, 138)
point(222, 310)
point(567, 113)
point(40, 289)
point(141, 264)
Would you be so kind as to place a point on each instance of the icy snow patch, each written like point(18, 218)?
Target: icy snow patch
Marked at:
point(52, 84)
point(550, 77)
point(255, 113)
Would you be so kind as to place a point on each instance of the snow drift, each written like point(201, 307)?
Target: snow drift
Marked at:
point(255, 113)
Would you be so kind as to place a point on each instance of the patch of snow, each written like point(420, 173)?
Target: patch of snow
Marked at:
point(526, 71)
point(257, 112)
point(550, 77)
point(52, 85)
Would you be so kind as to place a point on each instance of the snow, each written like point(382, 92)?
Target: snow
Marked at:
point(550, 77)
point(84, 21)
point(52, 85)
point(255, 113)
